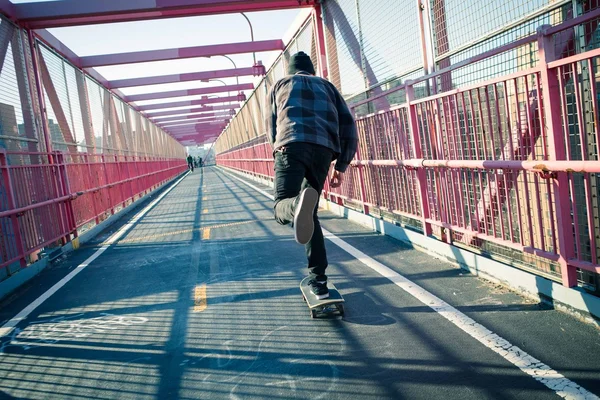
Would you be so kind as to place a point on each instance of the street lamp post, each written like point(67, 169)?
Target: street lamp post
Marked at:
point(237, 78)
point(251, 34)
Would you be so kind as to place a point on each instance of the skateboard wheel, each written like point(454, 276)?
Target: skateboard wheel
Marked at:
point(313, 314)
point(340, 308)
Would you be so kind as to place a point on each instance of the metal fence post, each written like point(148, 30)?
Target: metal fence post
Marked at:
point(92, 177)
point(11, 206)
point(413, 128)
point(320, 40)
point(107, 182)
point(65, 187)
point(361, 179)
point(119, 179)
point(551, 96)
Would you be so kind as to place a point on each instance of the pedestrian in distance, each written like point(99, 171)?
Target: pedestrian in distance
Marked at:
point(309, 125)
point(190, 161)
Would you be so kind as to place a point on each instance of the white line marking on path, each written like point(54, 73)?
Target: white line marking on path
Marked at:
point(11, 324)
point(535, 368)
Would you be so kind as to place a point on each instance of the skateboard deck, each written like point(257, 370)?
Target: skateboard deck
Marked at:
point(334, 303)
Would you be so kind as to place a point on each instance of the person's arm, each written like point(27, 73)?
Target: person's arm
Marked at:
point(271, 117)
point(347, 134)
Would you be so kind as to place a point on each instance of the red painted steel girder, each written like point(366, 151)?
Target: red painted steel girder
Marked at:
point(199, 102)
point(190, 123)
point(185, 111)
point(180, 53)
point(54, 14)
point(190, 92)
point(199, 132)
point(194, 76)
point(204, 116)
point(196, 127)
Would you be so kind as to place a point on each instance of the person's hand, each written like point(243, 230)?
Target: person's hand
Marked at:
point(336, 179)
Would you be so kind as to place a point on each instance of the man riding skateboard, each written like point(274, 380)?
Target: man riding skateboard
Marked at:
point(309, 125)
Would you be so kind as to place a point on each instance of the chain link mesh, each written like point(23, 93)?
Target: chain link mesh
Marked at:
point(17, 126)
point(111, 127)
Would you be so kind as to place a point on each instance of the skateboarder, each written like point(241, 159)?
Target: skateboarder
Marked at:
point(308, 125)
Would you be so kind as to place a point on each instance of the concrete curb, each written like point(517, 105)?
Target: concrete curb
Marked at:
point(15, 281)
point(574, 301)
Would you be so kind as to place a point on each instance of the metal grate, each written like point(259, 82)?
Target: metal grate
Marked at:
point(458, 23)
point(17, 131)
point(342, 22)
point(111, 126)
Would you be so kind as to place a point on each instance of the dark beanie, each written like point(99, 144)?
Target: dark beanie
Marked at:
point(300, 62)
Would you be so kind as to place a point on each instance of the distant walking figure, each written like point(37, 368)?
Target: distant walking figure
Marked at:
point(190, 161)
point(308, 125)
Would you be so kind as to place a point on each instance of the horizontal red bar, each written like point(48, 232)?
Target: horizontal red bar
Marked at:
point(185, 103)
point(541, 166)
point(205, 116)
point(183, 111)
point(194, 76)
point(77, 12)
point(191, 92)
point(185, 52)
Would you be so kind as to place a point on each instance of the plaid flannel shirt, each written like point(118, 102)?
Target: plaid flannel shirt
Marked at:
point(309, 109)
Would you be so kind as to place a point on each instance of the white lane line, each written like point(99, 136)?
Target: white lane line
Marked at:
point(8, 327)
point(535, 368)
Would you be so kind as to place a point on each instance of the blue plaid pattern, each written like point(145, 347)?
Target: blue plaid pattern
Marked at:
point(309, 109)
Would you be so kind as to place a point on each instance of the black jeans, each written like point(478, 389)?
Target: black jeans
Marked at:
point(298, 166)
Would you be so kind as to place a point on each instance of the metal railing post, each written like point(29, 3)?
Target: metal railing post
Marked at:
point(413, 127)
point(20, 248)
point(551, 96)
point(65, 187)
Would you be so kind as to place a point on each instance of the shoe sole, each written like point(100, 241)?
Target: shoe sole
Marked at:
point(304, 225)
point(322, 297)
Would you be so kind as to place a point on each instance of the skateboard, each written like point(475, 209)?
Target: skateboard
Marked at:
point(335, 301)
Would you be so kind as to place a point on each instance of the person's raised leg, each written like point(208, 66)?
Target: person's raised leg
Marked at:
point(293, 203)
point(315, 248)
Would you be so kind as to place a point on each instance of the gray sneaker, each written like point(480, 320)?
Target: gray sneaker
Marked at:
point(304, 225)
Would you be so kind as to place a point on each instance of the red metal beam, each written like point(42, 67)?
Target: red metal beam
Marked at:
point(184, 52)
point(193, 140)
point(182, 118)
point(190, 123)
point(194, 76)
point(191, 92)
point(59, 46)
point(53, 14)
point(7, 8)
point(196, 127)
point(185, 111)
point(199, 131)
point(185, 103)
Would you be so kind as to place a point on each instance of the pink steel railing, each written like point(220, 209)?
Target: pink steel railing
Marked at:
point(506, 166)
point(48, 202)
